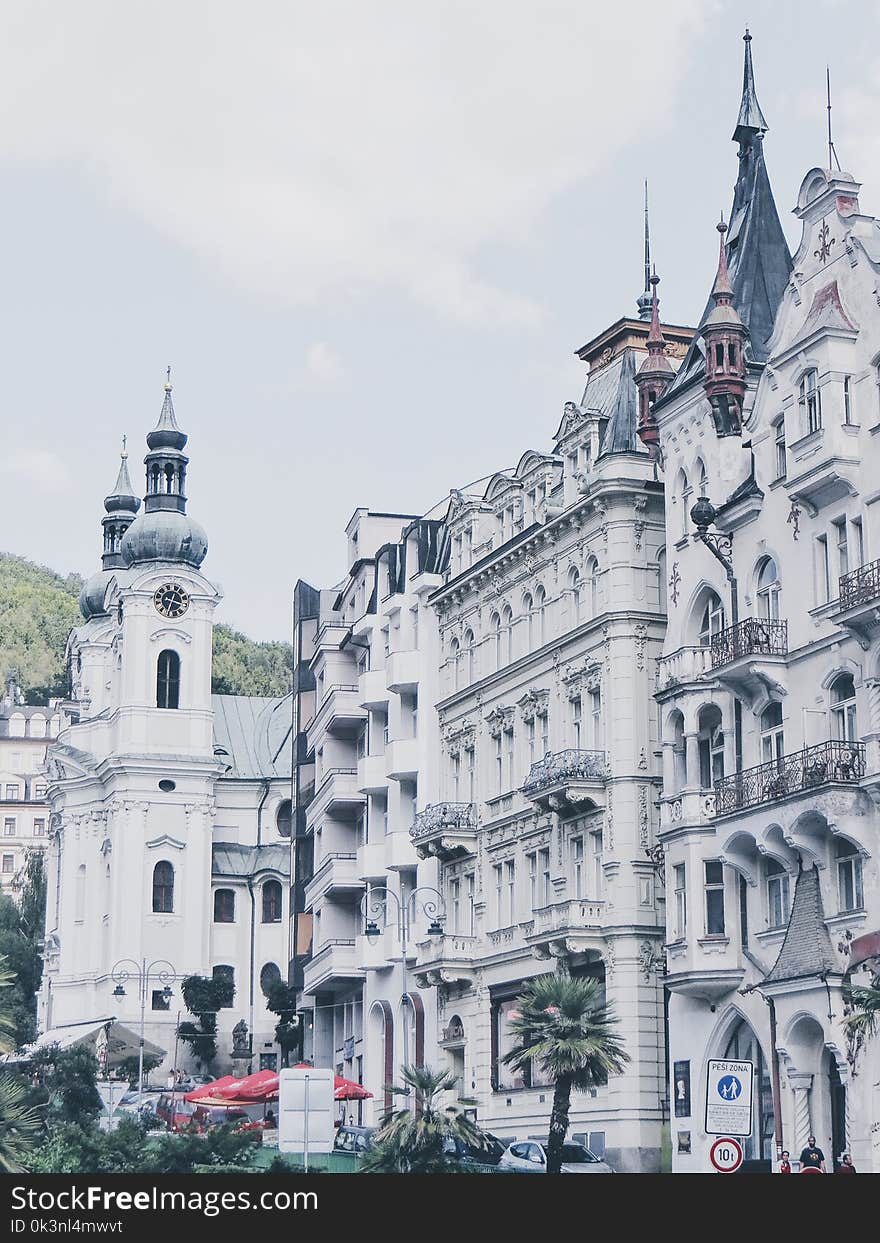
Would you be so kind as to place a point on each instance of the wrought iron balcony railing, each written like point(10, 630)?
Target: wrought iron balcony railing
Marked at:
point(439, 816)
point(754, 636)
point(832, 761)
point(860, 586)
point(561, 766)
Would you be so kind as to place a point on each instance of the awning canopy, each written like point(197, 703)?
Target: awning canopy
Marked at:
point(207, 1090)
point(261, 1086)
point(343, 1089)
point(120, 1041)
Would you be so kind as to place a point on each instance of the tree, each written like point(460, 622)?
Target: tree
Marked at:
point(20, 1121)
point(564, 1025)
point(21, 936)
point(70, 1076)
point(416, 1140)
point(281, 1000)
point(863, 1014)
point(203, 996)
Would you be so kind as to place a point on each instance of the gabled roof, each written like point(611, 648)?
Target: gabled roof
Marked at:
point(806, 951)
point(827, 311)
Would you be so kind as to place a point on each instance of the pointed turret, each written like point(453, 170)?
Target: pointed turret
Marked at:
point(750, 122)
point(725, 335)
point(120, 508)
point(654, 376)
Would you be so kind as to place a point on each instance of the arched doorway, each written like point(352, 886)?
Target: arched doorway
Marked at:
point(742, 1045)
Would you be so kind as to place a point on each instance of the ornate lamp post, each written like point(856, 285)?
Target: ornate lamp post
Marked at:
point(719, 544)
point(127, 969)
point(374, 905)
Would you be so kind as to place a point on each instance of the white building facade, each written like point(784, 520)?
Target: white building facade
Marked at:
point(25, 732)
point(768, 686)
point(170, 807)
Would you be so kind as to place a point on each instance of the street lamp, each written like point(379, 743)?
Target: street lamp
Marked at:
point(127, 969)
point(719, 543)
point(424, 899)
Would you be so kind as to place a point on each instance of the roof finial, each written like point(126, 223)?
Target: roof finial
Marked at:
point(722, 291)
point(168, 379)
point(644, 300)
point(124, 453)
point(750, 123)
point(832, 152)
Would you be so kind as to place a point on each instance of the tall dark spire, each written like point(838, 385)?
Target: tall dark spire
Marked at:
point(166, 463)
point(653, 378)
point(646, 298)
point(750, 121)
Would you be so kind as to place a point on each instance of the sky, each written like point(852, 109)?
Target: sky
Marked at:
point(368, 239)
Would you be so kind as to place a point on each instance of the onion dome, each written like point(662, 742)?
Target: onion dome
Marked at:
point(120, 508)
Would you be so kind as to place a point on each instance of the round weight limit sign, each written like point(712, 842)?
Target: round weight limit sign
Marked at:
point(726, 1155)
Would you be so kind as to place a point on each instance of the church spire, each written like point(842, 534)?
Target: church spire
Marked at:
point(750, 123)
point(166, 463)
point(120, 507)
point(654, 377)
point(646, 298)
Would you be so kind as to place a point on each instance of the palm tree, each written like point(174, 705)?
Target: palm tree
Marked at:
point(20, 1123)
point(416, 1140)
point(863, 1018)
point(565, 1026)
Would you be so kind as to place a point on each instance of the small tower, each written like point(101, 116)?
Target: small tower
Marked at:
point(653, 378)
point(166, 463)
point(724, 335)
point(121, 506)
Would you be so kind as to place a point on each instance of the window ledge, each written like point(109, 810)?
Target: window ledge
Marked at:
point(714, 938)
point(842, 918)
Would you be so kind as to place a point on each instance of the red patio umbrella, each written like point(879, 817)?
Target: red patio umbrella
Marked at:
point(261, 1086)
point(209, 1089)
point(343, 1089)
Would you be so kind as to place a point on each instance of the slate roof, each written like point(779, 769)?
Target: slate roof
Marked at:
point(254, 734)
point(806, 951)
point(611, 390)
point(231, 859)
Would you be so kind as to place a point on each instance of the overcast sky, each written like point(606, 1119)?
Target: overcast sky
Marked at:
point(366, 234)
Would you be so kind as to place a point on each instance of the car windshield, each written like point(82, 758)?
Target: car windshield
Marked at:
point(576, 1154)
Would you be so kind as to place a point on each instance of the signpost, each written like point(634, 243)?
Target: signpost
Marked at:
point(729, 1097)
point(726, 1155)
point(305, 1110)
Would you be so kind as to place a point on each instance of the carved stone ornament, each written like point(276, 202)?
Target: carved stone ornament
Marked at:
point(498, 719)
point(532, 704)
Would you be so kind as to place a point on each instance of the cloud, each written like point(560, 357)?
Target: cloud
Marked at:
point(324, 366)
point(315, 154)
point(38, 468)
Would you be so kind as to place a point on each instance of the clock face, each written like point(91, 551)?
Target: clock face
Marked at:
point(171, 600)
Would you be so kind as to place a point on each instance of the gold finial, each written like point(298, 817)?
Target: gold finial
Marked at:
point(124, 454)
point(168, 379)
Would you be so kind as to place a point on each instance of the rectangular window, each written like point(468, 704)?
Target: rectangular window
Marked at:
point(598, 878)
point(576, 721)
point(159, 1001)
point(39, 828)
point(9, 826)
point(530, 740)
point(455, 904)
point(679, 874)
point(544, 732)
point(810, 402)
point(469, 890)
point(577, 866)
point(596, 730)
point(849, 883)
point(544, 894)
point(714, 885)
point(498, 879)
point(842, 546)
point(823, 570)
point(470, 766)
point(8, 864)
point(510, 883)
point(39, 792)
point(781, 459)
point(858, 543)
point(499, 765)
point(456, 777)
point(12, 793)
point(777, 896)
point(847, 400)
point(509, 754)
point(532, 860)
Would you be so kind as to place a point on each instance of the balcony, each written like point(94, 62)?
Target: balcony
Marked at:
point(371, 775)
point(372, 689)
point(400, 855)
point(333, 967)
point(336, 795)
point(858, 604)
point(371, 861)
point(749, 658)
point(335, 876)
point(402, 759)
point(686, 664)
point(446, 960)
point(447, 830)
point(568, 781)
point(339, 713)
point(570, 927)
point(402, 671)
point(827, 763)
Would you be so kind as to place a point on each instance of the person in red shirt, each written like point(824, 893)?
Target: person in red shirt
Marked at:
point(785, 1163)
point(846, 1166)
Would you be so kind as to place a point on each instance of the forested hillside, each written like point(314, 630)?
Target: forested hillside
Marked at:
point(38, 609)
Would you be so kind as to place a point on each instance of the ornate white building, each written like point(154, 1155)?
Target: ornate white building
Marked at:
point(170, 807)
point(25, 732)
point(770, 712)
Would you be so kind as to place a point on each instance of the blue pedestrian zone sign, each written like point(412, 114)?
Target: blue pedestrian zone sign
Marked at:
point(729, 1097)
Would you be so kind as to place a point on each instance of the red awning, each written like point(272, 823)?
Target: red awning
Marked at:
point(210, 1089)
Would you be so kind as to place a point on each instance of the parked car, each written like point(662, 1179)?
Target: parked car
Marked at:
point(189, 1082)
point(174, 1111)
point(356, 1139)
point(531, 1158)
point(458, 1150)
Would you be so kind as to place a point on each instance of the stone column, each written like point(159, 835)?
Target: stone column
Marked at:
point(668, 767)
point(801, 1085)
point(692, 756)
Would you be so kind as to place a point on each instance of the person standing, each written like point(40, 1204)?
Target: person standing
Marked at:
point(846, 1166)
point(812, 1158)
point(785, 1162)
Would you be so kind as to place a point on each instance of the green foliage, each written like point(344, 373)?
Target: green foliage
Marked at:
point(39, 608)
point(564, 1025)
point(413, 1140)
point(71, 1148)
point(281, 1000)
point(128, 1067)
point(862, 1014)
point(203, 996)
point(243, 667)
point(20, 1125)
point(21, 931)
point(70, 1077)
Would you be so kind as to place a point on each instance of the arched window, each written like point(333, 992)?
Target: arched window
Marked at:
point(453, 660)
point(163, 888)
point(283, 818)
point(224, 906)
point(37, 727)
point(849, 876)
point(769, 588)
point(703, 477)
point(271, 902)
point(843, 708)
point(575, 586)
point(772, 735)
point(683, 498)
point(778, 897)
point(470, 655)
point(269, 976)
point(507, 624)
point(712, 621)
point(168, 680)
point(711, 746)
point(495, 631)
point(662, 585)
point(225, 973)
point(541, 613)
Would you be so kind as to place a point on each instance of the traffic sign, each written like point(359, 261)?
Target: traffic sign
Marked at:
point(726, 1155)
point(729, 1097)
